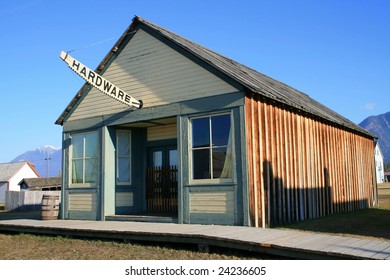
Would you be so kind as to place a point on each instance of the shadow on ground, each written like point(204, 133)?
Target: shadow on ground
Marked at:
point(20, 215)
point(372, 222)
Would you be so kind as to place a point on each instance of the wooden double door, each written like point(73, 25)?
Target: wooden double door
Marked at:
point(162, 180)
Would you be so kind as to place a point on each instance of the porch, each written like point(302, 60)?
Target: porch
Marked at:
point(146, 187)
point(286, 243)
point(186, 169)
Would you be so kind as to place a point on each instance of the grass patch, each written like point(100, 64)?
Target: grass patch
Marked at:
point(372, 223)
point(34, 247)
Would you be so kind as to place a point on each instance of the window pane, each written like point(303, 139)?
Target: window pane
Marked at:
point(219, 161)
point(201, 164)
point(220, 126)
point(91, 144)
point(123, 143)
point(157, 159)
point(91, 170)
point(77, 145)
point(200, 132)
point(172, 157)
point(77, 171)
point(123, 170)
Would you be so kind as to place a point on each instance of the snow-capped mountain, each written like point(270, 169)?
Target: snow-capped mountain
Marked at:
point(44, 157)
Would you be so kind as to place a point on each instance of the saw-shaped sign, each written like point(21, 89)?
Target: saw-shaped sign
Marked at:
point(99, 82)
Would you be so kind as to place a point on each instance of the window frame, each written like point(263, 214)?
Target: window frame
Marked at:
point(117, 182)
point(83, 158)
point(213, 181)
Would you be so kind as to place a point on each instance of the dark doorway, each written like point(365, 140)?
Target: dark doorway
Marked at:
point(162, 180)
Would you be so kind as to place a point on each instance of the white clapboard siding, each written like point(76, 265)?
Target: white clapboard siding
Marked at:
point(151, 71)
point(163, 132)
point(124, 199)
point(215, 202)
point(82, 202)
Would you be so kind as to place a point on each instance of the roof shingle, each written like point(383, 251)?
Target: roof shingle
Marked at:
point(37, 183)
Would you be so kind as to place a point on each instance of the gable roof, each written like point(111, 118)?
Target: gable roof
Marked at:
point(8, 170)
point(252, 81)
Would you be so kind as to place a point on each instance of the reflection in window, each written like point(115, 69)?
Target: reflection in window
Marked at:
point(173, 157)
point(84, 161)
point(211, 147)
point(123, 156)
point(157, 159)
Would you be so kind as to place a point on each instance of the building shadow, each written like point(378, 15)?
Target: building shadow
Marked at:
point(20, 215)
point(294, 202)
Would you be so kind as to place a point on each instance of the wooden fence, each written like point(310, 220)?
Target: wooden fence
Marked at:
point(26, 200)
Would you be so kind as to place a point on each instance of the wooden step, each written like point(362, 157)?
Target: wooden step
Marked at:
point(142, 218)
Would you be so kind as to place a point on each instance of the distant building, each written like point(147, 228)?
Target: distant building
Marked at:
point(41, 184)
point(12, 173)
point(379, 166)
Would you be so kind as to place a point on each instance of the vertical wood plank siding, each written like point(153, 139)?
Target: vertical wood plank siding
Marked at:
point(301, 168)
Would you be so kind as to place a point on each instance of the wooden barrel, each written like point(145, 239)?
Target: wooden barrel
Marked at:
point(50, 207)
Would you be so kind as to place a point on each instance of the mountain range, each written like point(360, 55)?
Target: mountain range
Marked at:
point(380, 126)
point(47, 160)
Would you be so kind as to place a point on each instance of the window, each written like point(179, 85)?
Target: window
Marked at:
point(211, 147)
point(84, 159)
point(123, 157)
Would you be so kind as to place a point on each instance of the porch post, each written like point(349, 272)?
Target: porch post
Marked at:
point(180, 162)
point(107, 201)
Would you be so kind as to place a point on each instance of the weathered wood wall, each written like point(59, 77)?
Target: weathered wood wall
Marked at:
point(26, 200)
point(82, 202)
point(213, 206)
point(301, 168)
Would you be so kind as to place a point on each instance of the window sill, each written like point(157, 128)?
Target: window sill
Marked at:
point(123, 184)
point(211, 183)
point(82, 186)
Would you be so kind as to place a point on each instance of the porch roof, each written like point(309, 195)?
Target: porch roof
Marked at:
point(252, 81)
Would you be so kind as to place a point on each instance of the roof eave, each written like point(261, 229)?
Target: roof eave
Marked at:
point(102, 65)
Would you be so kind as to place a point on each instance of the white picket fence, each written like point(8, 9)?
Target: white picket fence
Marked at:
point(26, 200)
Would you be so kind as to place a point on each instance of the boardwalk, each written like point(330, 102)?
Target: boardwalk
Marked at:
point(295, 244)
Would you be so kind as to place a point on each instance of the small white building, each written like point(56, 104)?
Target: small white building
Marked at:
point(379, 166)
point(12, 173)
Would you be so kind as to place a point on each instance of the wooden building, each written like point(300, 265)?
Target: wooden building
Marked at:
point(41, 184)
point(214, 143)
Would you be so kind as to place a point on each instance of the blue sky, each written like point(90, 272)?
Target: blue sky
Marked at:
point(338, 52)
